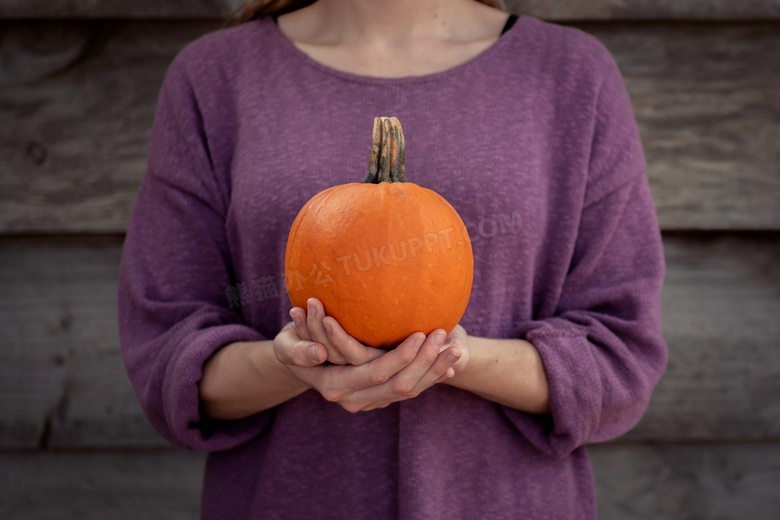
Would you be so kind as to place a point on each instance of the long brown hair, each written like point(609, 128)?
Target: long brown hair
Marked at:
point(256, 9)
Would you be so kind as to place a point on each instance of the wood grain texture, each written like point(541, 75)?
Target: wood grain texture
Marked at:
point(77, 102)
point(153, 485)
point(633, 482)
point(63, 384)
point(687, 482)
point(624, 10)
point(721, 303)
point(708, 106)
point(62, 380)
point(162, 9)
point(547, 9)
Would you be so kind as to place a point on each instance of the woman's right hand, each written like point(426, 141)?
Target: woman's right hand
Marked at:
point(369, 378)
point(337, 346)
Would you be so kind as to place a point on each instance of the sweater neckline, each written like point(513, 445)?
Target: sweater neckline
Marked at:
point(289, 49)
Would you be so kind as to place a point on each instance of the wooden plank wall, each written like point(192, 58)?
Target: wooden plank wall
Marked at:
point(78, 87)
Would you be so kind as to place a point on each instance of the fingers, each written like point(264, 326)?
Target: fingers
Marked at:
point(428, 367)
point(341, 348)
point(441, 370)
point(381, 369)
point(291, 349)
point(316, 312)
point(298, 316)
point(309, 327)
point(353, 351)
point(403, 373)
point(419, 375)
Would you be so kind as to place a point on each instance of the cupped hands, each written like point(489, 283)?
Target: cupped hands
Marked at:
point(319, 352)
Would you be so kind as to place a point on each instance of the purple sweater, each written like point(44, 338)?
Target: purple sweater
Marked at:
point(533, 142)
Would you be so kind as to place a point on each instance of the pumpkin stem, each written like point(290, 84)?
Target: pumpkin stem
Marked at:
point(388, 152)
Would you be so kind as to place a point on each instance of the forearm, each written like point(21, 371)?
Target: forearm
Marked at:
point(507, 371)
point(244, 378)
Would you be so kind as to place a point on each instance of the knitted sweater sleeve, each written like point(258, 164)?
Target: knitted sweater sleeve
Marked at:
point(602, 348)
point(172, 306)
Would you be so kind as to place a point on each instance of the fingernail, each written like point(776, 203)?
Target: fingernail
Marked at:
point(295, 319)
point(314, 353)
point(312, 311)
point(438, 339)
point(327, 326)
point(453, 356)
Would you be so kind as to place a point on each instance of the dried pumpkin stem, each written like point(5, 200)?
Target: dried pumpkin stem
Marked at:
point(388, 152)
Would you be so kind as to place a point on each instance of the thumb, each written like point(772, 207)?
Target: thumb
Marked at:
point(304, 353)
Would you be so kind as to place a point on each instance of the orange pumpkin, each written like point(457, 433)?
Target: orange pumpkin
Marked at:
point(386, 257)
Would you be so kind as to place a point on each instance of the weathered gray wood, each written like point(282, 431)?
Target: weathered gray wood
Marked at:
point(552, 10)
point(707, 102)
point(633, 482)
point(165, 9)
point(77, 101)
point(647, 9)
point(62, 381)
point(162, 484)
point(63, 385)
point(687, 481)
point(721, 310)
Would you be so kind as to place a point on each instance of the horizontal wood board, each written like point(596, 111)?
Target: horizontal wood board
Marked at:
point(77, 100)
point(633, 482)
point(149, 485)
point(687, 481)
point(720, 304)
point(554, 10)
point(63, 383)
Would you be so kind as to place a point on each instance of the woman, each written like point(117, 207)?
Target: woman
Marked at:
point(527, 130)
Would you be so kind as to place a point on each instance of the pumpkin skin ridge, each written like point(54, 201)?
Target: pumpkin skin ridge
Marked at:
point(299, 218)
point(293, 235)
